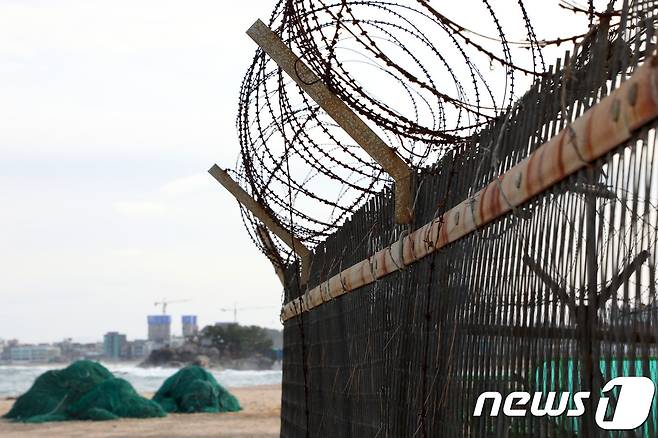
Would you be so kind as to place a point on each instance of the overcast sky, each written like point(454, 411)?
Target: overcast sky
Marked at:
point(112, 112)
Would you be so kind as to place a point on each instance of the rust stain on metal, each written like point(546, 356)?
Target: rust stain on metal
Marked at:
point(632, 94)
point(480, 211)
point(342, 114)
point(541, 182)
point(443, 236)
point(559, 151)
point(600, 130)
point(494, 201)
point(529, 173)
point(587, 133)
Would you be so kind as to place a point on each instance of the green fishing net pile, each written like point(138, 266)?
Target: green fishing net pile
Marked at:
point(193, 389)
point(85, 390)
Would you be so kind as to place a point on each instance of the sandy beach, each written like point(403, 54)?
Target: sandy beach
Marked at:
point(258, 419)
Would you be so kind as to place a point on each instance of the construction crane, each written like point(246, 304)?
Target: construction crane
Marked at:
point(165, 302)
point(236, 308)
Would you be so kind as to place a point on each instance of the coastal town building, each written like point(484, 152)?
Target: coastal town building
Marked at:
point(33, 353)
point(115, 346)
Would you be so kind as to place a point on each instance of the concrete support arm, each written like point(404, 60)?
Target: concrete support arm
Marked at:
point(365, 137)
point(263, 215)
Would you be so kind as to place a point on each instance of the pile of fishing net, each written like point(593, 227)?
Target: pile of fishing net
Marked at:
point(85, 390)
point(193, 389)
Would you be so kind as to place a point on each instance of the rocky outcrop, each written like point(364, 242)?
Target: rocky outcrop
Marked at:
point(193, 354)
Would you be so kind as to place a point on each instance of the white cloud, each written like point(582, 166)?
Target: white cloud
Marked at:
point(140, 208)
point(189, 184)
point(127, 252)
point(113, 112)
point(120, 26)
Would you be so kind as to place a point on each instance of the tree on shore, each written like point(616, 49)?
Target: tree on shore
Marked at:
point(237, 341)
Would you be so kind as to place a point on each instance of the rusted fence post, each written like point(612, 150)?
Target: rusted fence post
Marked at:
point(342, 114)
point(257, 210)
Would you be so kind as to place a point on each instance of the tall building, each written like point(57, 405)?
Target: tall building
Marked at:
point(159, 328)
point(190, 327)
point(115, 345)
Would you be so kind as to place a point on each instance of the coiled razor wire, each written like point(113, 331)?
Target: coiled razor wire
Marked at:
point(559, 296)
point(421, 80)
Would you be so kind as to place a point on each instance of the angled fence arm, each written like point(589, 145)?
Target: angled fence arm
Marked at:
point(257, 210)
point(550, 282)
point(342, 114)
point(621, 277)
point(272, 253)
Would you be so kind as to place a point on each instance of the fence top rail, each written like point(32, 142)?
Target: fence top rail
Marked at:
point(600, 130)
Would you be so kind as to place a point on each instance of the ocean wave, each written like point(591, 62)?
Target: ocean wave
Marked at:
point(16, 379)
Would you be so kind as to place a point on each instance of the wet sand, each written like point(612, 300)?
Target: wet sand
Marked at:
point(259, 418)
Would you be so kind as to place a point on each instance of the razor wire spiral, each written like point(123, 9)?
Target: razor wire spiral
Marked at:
point(422, 81)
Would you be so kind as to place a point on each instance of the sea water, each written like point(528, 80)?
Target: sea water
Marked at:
point(16, 379)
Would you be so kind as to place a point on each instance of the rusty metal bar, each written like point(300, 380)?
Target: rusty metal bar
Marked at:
point(257, 210)
point(342, 114)
point(600, 130)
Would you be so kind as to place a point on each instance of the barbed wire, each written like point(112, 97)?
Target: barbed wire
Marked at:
point(422, 81)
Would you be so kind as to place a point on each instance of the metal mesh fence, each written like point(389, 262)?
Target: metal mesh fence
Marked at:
point(558, 295)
